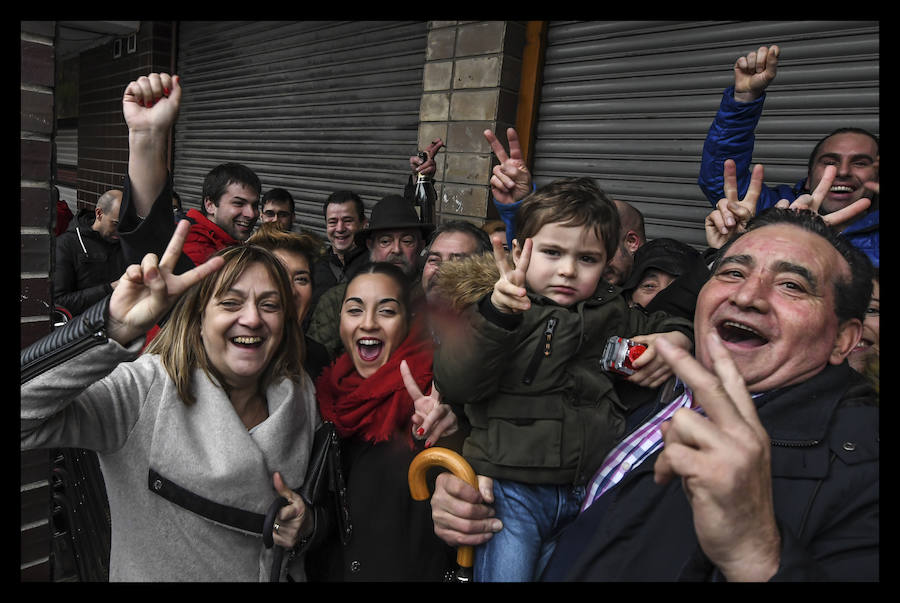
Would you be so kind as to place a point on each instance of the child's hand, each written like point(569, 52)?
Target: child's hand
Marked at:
point(650, 369)
point(510, 295)
point(431, 419)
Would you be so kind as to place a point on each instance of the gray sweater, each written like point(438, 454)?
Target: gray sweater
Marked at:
point(128, 411)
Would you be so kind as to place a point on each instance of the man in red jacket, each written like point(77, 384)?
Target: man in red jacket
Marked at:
point(231, 209)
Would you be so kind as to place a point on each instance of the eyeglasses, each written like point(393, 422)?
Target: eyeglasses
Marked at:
point(271, 213)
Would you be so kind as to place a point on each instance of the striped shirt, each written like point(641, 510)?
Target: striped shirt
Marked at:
point(633, 450)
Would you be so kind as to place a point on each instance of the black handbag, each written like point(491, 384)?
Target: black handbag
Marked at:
point(324, 493)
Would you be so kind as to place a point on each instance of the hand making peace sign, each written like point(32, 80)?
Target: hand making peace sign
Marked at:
point(732, 214)
point(812, 201)
point(509, 295)
point(511, 181)
point(432, 419)
point(147, 290)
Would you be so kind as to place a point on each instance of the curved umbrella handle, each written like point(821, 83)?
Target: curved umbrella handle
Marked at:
point(446, 458)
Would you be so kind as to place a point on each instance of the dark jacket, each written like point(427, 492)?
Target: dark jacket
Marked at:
point(150, 234)
point(732, 136)
point(540, 408)
point(85, 265)
point(330, 271)
point(393, 535)
point(825, 448)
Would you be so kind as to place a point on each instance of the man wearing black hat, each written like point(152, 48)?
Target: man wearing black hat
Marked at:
point(394, 234)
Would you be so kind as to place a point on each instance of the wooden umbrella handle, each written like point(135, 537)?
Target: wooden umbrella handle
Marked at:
point(418, 488)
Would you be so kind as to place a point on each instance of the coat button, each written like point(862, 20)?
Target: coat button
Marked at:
point(157, 485)
point(354, 567)
point(849, 446)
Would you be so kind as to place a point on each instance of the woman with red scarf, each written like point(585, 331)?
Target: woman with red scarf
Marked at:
point(373, 394)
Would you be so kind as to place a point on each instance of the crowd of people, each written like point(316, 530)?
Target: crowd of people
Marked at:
point(740, 444)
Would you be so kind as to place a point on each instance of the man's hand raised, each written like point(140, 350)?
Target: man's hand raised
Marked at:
point(732, 214)
point(151, 102)
point(754, 72)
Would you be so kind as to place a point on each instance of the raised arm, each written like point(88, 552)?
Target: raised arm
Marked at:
point(150, 106)
point(732, 134)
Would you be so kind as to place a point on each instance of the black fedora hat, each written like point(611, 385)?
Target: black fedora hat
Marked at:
point(393, 213)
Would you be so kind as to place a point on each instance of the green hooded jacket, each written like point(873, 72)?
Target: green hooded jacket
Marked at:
point(541, 409)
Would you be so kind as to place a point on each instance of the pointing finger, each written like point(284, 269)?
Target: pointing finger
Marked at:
point(821, 190)
point(525, 256)
point(176, 243)
point(496, 146)
point(515, 150)
point(410, 383)
point(756, 183)
point(729, 182)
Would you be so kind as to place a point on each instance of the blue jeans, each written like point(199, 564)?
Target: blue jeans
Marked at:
point(532, 517)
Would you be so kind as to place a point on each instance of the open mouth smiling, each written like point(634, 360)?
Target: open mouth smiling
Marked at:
point(862, 345)
point(369, 349)
point(247, 341)
point(734, 332)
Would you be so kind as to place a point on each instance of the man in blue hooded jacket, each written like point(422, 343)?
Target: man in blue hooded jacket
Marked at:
point(853, 151)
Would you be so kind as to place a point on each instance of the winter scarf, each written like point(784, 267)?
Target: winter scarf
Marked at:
point(375, 408)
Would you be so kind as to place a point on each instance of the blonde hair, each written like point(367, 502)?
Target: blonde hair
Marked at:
point(270, 236)
point(179, 344)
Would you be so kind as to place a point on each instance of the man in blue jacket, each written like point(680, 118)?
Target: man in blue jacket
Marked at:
point(853, 151)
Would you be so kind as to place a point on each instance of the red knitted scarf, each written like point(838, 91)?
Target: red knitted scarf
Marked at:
point(377, 407)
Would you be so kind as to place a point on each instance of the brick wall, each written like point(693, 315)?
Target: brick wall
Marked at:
point(103, 76)
point(103, 153)
point(470, 83)
point(35, 143)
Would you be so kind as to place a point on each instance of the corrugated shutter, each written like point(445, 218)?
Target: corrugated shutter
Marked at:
point(312, 106)
point(66, 142)
point(630, 103)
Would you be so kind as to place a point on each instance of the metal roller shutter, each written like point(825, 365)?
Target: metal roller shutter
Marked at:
point(312, 106)
point(630, 103)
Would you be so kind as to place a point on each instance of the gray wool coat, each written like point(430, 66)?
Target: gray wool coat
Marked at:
point(187, 485)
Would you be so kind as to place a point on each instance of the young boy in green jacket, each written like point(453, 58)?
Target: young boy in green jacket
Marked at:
point(524, 357)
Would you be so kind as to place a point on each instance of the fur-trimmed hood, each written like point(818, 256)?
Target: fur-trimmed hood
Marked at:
point(466, 281)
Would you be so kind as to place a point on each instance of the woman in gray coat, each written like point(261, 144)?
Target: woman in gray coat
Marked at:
point(197, 435)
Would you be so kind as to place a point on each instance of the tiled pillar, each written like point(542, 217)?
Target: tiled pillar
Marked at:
point(36, 221)
point(471, 82)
